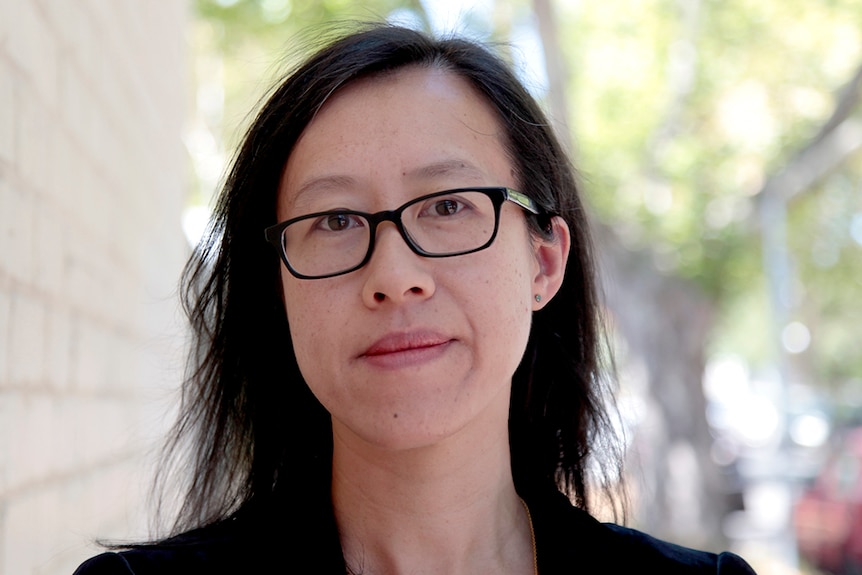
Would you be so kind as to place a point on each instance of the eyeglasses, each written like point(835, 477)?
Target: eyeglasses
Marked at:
point(439, 225)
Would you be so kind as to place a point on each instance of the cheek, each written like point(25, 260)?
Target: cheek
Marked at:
point(518, 268)
point(505, 300)
point(520, 276)
point(306, 321)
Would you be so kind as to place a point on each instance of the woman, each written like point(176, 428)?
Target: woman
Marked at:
point(408, 379)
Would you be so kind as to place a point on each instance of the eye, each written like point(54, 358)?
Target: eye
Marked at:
point(444, 206)
point(447, 207)
point(338, 222)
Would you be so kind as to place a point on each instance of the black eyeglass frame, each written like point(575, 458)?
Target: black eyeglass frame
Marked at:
point(498, 196)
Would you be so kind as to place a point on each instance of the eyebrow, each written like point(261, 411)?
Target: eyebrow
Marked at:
point(444, 168)
point(448, 167)
point(323, 183)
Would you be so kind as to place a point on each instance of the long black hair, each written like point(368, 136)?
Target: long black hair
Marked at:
point(249, 426)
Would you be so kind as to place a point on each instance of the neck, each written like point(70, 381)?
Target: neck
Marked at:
point(446, 508)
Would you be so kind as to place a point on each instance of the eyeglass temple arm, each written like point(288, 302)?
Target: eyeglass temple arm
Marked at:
point(522, 200)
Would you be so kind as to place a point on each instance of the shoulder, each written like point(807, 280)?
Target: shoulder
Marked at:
point(656, 552)
point(105, 564)
point(567, 537)
point(216, 549)
point(259, 536)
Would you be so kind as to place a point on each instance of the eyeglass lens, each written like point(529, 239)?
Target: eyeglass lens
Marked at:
point(451, 223)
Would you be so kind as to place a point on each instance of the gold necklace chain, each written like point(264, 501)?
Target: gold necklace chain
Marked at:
point(532, 538)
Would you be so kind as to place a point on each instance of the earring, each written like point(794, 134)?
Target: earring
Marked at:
point(538, 298)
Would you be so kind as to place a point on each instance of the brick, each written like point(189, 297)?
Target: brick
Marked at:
point(78, 108)
point(32, 430)
point(91, 190)
point(26, 341)
point(86, 428)
point(51, 538)
point(30, 519)
point(87, 271)
point(33, 161)
point(16, 233)
point(95, 194)
point(69, 163)
point(8, 115)
point(48, 238)
point(7, 10)
point(23, 36)
point(5, 336)
point(118, 374)
point(66, 412)
point(44, 59)
point(6, 537)
point(14, 416)
point(6, 407)
point(58, 349)
point(89, 365)
point(63, 20)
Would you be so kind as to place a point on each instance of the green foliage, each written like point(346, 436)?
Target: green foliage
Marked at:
point(256, 41)
point(266, 21)
point(680, 119)
point(681, 111)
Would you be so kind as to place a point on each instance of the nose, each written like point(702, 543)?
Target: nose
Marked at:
point(395, 274)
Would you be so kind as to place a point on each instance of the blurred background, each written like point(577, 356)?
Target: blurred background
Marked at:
point(720, 150)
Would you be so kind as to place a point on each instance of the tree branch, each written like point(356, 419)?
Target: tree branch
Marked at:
point(837, 139)
point(813, 163)
point(556, 71)
point(848, 99)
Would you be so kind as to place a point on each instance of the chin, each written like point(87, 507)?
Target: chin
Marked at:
point(410, 428)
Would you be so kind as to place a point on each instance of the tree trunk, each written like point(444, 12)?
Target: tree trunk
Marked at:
point(664, 322)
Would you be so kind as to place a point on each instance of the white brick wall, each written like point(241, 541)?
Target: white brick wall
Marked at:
point(92, 184)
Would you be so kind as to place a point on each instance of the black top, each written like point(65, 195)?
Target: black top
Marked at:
point(568, 540)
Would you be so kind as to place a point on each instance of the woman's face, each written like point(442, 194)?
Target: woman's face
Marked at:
point(408, 350)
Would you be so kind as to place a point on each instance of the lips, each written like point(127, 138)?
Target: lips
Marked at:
point(398, 343)
point(406, 349)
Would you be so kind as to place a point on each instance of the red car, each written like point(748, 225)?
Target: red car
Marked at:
point(828, 516)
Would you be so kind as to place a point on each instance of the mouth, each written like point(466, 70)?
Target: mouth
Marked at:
point(409, 349)
point(406, 342)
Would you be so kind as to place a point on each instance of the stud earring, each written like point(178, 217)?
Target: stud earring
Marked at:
point(538, 298)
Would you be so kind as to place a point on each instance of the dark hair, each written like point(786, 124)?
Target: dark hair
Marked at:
point(251, 423)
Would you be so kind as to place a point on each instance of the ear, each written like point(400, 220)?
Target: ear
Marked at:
point(551, 254)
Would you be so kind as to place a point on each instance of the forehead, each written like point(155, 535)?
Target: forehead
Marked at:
point(416, 129)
